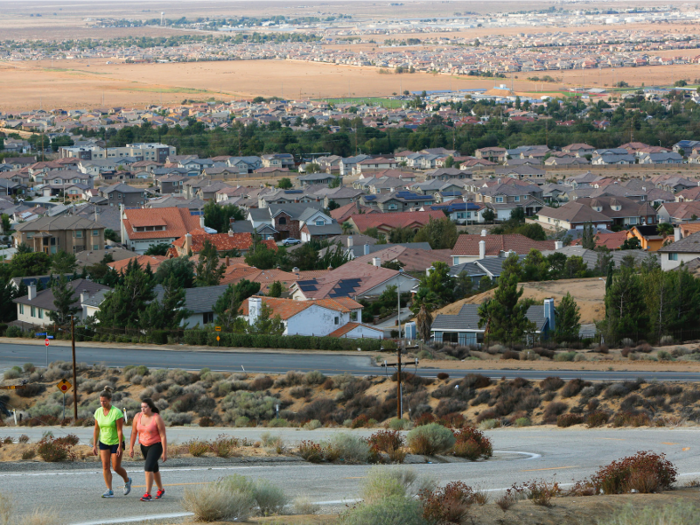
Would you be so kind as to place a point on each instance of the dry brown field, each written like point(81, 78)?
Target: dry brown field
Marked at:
point(72, 83)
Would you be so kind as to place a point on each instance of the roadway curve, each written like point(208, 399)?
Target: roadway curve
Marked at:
point(564, 455)
point(280, 362)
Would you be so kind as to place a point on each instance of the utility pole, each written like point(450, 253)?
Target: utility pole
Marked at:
point(75, 378)
point(399, 400)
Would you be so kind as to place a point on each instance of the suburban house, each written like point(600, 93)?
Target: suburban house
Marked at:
point(378, 163)
point(124, 194)
point(33, 309)
point(648, 237)
point(68, 233)
point(469, 248)
point(239, 271)
point(678, 212)
point(491, 154)
point(278, 160)
point(412, 259)
point(572, 216)
point(682, 251)
point(504, 198)
point(322, 317)
point(199, 303)
point(463, 328)
point(353, 279)
point(624, 212)
point(142, 228)
point(143, 261)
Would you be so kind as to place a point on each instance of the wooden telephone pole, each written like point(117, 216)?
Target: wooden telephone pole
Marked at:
point(75, 378)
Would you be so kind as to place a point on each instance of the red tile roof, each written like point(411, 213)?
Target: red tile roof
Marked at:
point(177, 222)
point(345, 212)
point(222, 241)
point(142, 260)
point(239, 272)
point(287, 308)
point(390, 221)
point(415, 260)
point(340, 332)
point(612, 241)
point(468, 245)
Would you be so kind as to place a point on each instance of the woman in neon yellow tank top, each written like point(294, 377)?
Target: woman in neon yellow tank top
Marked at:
point(108, 438)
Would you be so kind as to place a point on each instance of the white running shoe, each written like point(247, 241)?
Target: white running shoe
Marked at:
point(127, 487)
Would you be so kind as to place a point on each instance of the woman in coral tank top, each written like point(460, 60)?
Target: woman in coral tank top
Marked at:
point(149, 427)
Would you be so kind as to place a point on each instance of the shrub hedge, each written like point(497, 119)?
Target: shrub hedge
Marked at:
point(298, 342)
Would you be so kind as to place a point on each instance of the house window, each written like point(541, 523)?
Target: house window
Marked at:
point(95, 246)
point(353, 316)
point(33, 312)
point(21, 309)
point(337, 320)
point(79, 234)
point(672, 256)
point(320, 222)
point(392, 206)
point(282, 220)
point(41, 313)
point(95, 233)
point(517, 198)
point(633, 220)
point(499, 199)
point(207, 317)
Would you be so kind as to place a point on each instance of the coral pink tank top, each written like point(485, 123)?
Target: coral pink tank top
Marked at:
point(148, 434)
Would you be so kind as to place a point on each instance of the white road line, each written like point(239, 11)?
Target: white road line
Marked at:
point(137, 519)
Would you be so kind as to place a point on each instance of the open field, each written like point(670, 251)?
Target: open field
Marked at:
point(75, 83)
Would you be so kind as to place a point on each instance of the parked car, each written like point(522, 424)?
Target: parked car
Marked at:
point(290, 241)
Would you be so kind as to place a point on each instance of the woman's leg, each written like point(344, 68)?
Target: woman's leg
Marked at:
point(117, 466)
point(159, 483)
point(106, 472)
point(149, 482)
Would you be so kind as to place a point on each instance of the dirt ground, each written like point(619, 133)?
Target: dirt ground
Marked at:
point(589, 294)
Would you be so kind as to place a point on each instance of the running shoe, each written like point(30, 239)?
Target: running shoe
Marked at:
point(160, 493)
point(146, 497)
point(108, 494)
point(127, 487)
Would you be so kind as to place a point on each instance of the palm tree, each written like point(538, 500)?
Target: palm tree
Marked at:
point(346, 227)
point(424, 320)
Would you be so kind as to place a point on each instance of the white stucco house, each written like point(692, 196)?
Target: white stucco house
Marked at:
point(320, 317)
point(681, 251)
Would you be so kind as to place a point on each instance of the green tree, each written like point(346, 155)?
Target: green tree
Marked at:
point(285, 183)
point(625, 308)
point(436, 288)
point(209, 271)
point(63, 263)
point(346, 227)
point(219, 217)
point(261, 257)
point(568, 320)
point(631, 244)
point(228, 305)
point(111, 235)
point(32, 263)
point(8, 309)
point(401, 235)
point(5, 221)
point(336, 182)
point(181, 268)
point(168, 313)
point(440, 233)
point(588, 239)
point(488, 215)
point(266, 323)
point(664, 229)
point(424, 321)
point(575, 268)
point(65, 302)
point(160, 249)
point(505, 316)
point(124, 306)
point(535, 267)
point(463, 285)
point(276, 289)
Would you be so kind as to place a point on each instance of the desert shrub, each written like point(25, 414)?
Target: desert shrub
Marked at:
point(197, 447)
point(24, 438)
point(399, 424)
point(176, 419)
point(253, 405)
point(510, 354)
point(350, 448)
point(430, 439)
point(450, 406)
point(223, 446)
point(360, 421)
point(31, 390)
point(616, 390)
point(342, 380)
point(29, 454)
point(216, 502)
point(261, 383)
point(679, 513)
point(631, 418)
point(323, 409)
point(291, 378)
point(314, 378)
point(385, 482)
point(602, 349)
point(553, 411)
point(394, 510)
point(565, 356)
point(568, 420)
point(472, 444)
point(442, 376)
point(304, 506)
point(597, 419)
point(551, 384)
point(312, 425)
point(449, 504)
point(644, 348)
point(522, 422)
point(573, 387)
point(541, 492)
point(474, 381)
point(270, 498)
point(424, 419)
point(635, 473)
point(663, 355)
point(299, 391)
point(311, 452)
point(54, 450)
point(544, 352)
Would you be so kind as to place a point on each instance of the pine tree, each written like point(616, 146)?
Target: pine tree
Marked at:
point(266, 324)
point(625, 307)
point(588, 238)
point(63, 263)
point(125, 305)
point(568, 320)
point(228, 305)
point(65, 302)
point(276, 289)
point(209, 272)
point(8, 309)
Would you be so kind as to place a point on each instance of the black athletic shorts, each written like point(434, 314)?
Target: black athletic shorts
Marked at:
point(152, 454)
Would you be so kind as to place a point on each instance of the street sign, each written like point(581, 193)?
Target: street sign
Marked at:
point(46, 341)
point(49, 337)
point(217, 328)
point(41, 334)
point(218, 338)
point(64, 386)
point(11, 387)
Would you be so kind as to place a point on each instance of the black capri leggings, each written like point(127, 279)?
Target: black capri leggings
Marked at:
point(152, 454)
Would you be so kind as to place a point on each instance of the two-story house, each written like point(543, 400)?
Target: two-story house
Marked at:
point(278, 160)
point(123, 194)
point(66, 233)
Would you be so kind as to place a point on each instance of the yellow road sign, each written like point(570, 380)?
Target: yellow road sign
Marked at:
point(218, 338)
point(217, 328)
point(64, 386)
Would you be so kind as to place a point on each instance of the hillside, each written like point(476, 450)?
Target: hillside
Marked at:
point(588, 293)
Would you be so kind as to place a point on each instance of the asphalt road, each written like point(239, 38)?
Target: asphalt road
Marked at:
point(521, 455)
point(279, 362)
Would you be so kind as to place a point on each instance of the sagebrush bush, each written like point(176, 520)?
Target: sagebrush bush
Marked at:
point(472, 444)
point(597, 419)
point(568, 420)
point(679, 513)
point(573, 387)
point(634, 473)
point(430, 439)
point(394, 510)
point(449, 504)
point(216, 502)
point(311, 452)
point(312, 425)
point(553, 411)
point(350, 449)
point(270, 498)
point(551, 384)
point(304, 506)
point(314, 378)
